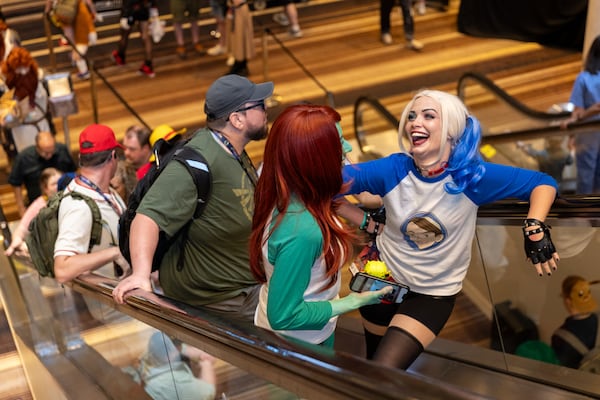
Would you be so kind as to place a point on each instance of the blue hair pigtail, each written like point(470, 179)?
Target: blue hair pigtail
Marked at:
point(465, 163)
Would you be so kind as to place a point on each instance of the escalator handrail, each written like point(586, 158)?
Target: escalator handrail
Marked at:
point(380, 108)
point(499, 92)
point(324, 373)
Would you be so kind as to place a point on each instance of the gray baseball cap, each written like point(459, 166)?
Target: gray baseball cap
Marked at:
point(231, 92)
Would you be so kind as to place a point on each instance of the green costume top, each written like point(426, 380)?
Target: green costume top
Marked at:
point(294, 301)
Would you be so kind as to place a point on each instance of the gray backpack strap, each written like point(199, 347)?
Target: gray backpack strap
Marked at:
point(573, 340)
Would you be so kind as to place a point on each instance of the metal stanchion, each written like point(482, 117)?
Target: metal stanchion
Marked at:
point(51, 54)
point(275, 99)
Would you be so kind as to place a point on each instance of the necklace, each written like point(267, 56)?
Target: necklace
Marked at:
point(425, 172)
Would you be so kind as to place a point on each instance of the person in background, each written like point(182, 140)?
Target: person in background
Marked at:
point(431, 192)
point(140, 11)
point(585, 96)
point(385, 9)
point(22, 75)
point(240, 36)
point(29, 164)
point(183, 10)
point(219, 11)
point(165, 373)
point(582, 321)
point(98, 160)
point(124, 180)
point(137, 146)
point(552, 159)
point(298, 244)
point(9, 38)
point(289, 17)
point(235, 115)
point(49, 186)
point(164, 132)
point(81, 32)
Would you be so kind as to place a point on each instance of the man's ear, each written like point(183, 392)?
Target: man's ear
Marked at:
point(236, 121)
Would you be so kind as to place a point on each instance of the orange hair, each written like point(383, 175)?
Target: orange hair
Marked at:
point(24, 85)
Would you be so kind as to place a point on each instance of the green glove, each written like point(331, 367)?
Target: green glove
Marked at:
point(357, 300)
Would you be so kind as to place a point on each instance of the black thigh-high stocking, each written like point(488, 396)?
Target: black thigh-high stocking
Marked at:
point(372, 341)
point(398, 349)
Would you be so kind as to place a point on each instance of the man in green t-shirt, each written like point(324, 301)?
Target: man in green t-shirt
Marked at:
point(215, 272)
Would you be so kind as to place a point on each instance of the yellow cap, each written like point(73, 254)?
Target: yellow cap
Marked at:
point(163, 132)
point(577, 289)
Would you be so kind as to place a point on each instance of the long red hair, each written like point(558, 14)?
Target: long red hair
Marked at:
point(302, 158)
point(3, 29)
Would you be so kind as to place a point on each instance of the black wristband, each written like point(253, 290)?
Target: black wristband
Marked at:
point(527, 222)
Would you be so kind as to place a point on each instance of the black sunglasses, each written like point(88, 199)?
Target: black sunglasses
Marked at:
point(260, 104)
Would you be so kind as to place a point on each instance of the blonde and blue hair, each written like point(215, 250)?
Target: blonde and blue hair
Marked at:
point(459, 130)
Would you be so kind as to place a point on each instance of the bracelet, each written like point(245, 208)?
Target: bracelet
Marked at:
point(539, 229)
point(527, 222)
point(376, 228)
point(365, 222)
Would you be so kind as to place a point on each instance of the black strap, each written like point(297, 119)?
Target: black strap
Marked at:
point(197, 166)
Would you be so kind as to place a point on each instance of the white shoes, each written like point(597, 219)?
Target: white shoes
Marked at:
point(386, 38)
point(281, 19)
point(295, 33)
point(216, 50)
point(414, 45)
point(421, 9)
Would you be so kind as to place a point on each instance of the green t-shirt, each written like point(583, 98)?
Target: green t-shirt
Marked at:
point(215, 256)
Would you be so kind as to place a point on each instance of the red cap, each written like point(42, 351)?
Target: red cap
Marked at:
point(96, 138)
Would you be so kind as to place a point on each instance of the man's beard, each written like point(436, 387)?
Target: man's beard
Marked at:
point(258, 133)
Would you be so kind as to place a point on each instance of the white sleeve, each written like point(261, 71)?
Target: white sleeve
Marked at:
point(74, 227)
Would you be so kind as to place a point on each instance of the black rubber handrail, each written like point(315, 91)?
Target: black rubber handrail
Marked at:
point(499, 92)
point(358, 123)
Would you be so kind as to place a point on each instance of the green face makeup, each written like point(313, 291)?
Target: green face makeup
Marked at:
point(346, 147)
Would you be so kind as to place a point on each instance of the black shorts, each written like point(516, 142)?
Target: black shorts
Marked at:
point(431, 311)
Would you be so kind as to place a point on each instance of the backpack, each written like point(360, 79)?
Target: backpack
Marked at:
point(591, 357)
point(43, 231)
point(165, 151)
point(64, 11)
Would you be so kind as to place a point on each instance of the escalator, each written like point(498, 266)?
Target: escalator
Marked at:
point(67, 355)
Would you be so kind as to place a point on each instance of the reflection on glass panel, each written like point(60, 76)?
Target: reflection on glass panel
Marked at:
point(529, 307)
point(168, 368)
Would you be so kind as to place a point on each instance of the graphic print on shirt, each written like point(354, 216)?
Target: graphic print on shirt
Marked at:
point(246, 195)
point(423, 231)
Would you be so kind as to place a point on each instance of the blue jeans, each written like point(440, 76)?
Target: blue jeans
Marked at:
point(385, 10)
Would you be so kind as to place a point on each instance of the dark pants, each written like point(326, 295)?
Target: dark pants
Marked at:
point(385, 10)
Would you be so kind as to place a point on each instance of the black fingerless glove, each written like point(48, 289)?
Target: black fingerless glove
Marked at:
point(538, 251)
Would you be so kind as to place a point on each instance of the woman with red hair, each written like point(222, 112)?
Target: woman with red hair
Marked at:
point(298, 244)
